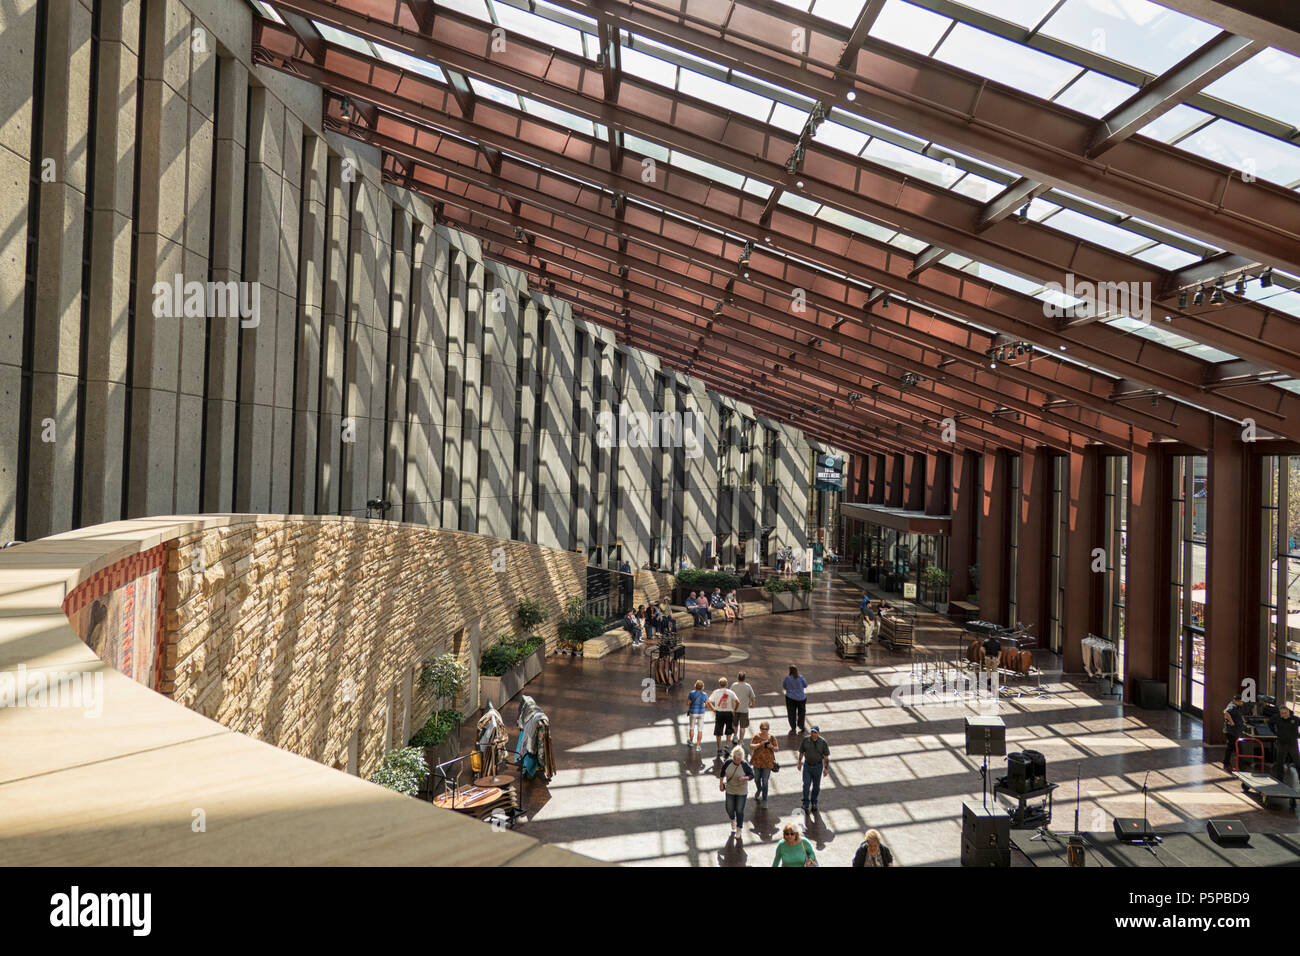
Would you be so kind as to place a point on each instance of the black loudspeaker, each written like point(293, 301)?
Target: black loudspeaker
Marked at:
point(986, 736)
point(1150, 694)
point(1019, 773)
point(1133, 829)
point(1037, 769)
point(1228, 832)
point(985, 836)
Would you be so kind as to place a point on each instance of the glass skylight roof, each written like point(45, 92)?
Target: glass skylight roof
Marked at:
point(1146, 35)
point(1268, 83)
point(1009, 63)
point(1025, 13)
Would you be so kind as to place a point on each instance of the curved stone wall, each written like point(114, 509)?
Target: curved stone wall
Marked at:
point(99, 769)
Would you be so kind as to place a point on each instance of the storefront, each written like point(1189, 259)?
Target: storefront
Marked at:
point(899, 546)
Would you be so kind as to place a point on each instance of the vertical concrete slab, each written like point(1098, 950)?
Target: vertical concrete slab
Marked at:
point(454, 386)
point(311, 293)
point(331, 443)
point(399, 345)
point(472, 402)
point(497, 428)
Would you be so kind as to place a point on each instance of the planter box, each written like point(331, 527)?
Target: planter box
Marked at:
point(498, 690)
point(791, 601)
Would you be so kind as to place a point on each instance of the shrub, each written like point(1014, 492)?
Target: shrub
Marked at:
point(506, 653)
point(443, 677)
point(437, 728)
point(693, 579)
point(530, 614)
point(805, 584)
point(402, 770)
point(936, 577)
point(577, 625)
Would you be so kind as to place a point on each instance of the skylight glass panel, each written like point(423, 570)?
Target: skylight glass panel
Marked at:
point(473, 8)
point(1041, 209)
point(1290, 384)
point(841, 137)
point(646, 148)
point(843, 12)
point(267, 11)
point(1006, 62)
point(910, 163)
point(1246, 150)
point(1059, 299)
point(674, 55)
point(1175, 124)
point(1153, 333)
point(541, 29)
point(1136, 32)
point(343, 38)
point(1095, 94)
point(907, 243)
point(788, 118)
point(558, 116)
point(1268, 84)
point(1208, 353)
point(955, 260)
point(977, 187)
point(412, 63)
point(909, 26)
point(979, 166)
point(1094, 230)
point(1005, 279)
point(649, 68)
point(707, 170)
point(798, 203)
point(757, 188)
point(771, 91)
point(1288, 302)
point(494, 93)
point(561, 15)
point(725, 95)
point(1166, 257)
point(1025, 13)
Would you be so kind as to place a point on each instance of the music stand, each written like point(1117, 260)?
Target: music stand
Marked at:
point(985, 737)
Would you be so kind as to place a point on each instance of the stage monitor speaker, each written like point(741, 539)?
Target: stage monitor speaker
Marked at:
point(1150, 694)
point(986, 736)
point(1133, 829)
point(985, 836)
point(1228, 832)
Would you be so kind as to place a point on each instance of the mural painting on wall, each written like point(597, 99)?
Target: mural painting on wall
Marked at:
point(121, 627)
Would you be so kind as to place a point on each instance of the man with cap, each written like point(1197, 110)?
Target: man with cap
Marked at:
point(814, 756)
point(1234, 726)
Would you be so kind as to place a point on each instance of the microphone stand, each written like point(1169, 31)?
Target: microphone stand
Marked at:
point(1149, 839)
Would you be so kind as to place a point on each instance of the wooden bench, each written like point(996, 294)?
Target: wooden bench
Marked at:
point(963, 610)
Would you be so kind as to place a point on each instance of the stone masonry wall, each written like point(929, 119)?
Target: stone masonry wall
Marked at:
point(274, 622)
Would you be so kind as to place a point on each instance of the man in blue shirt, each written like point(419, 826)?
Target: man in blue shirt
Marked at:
point(796, 697)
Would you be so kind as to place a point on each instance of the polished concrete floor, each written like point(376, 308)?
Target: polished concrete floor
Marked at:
point(628, 790)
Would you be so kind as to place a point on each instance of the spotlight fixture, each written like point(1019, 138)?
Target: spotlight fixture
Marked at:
point(345, 110)
point(884, 301)
point(1182, 298)
point(519, 234)
point(1240, 287)
point(1266, 278)
point(746, 252)
point(1023, 215)
point(1199, 298)
point(792, 165)
point(1020, 348)
point(717, 308)
point(622, 272)
point(1216, 297)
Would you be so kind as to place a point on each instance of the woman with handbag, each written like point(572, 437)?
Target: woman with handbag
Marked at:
point(793, 850)
point(762, 758)
point(734, 782)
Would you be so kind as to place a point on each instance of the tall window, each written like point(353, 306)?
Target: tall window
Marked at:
point(1116, 548)
point(1056, 576)
point(1013, 542)
point(1188, 592)
point(1280, 578)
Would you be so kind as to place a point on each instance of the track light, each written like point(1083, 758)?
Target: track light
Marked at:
point(746, 252)
point(1199, 298)
point(1216, 297)
point(1240, 287)
point(717, 307)
point(345, 110)
point(519, 234)
point(1182, 298)
point(1266, 278)
point(1023, 215)
point(884, 301)
point(791, 165)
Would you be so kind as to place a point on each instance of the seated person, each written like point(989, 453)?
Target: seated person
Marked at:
point(734, 603)
point(698, 609)
point(664, 622)
point(633, 625)
point(717, 603)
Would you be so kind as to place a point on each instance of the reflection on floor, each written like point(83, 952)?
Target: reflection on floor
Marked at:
point(628, 790)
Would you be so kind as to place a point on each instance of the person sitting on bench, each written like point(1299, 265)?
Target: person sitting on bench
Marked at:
point(698, 608)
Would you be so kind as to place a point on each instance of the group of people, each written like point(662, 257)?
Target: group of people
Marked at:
point(649, 620)
point(1286, 729)
point(700, 605)
point(871, 612)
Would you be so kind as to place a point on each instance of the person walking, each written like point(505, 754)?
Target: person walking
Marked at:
point(744, 697)
point(793, 850)
point(695, 702)
point(734, 782)
point(796, 698)
point(814, 757)
point(762, 757)
point(872, 852)
point(723, 704)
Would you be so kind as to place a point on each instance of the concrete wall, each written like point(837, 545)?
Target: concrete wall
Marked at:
point(387, 357)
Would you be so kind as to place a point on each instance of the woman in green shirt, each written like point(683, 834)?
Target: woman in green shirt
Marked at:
point(793, 851)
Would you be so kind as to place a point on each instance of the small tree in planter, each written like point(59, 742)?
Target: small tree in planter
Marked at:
point(577, 626)
point(443, 678)
point(936, 581)
point(531, 615)
point(402, 770)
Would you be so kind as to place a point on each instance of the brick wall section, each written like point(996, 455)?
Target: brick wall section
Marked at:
point(289, 613)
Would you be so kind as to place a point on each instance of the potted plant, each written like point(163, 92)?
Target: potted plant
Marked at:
point(936, 582)
point(402, 770)
point(789, 595)
point(530, 614)
point(507, 666)
point(577, 627)
point(443, 678)
point(437, 738)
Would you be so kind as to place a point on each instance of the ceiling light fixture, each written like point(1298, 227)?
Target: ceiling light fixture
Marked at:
point(1023, 215)
point(1216, 297)
point(1199, 298)
point(1266, 278)
point(1182, 298)
point(1240, 288)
